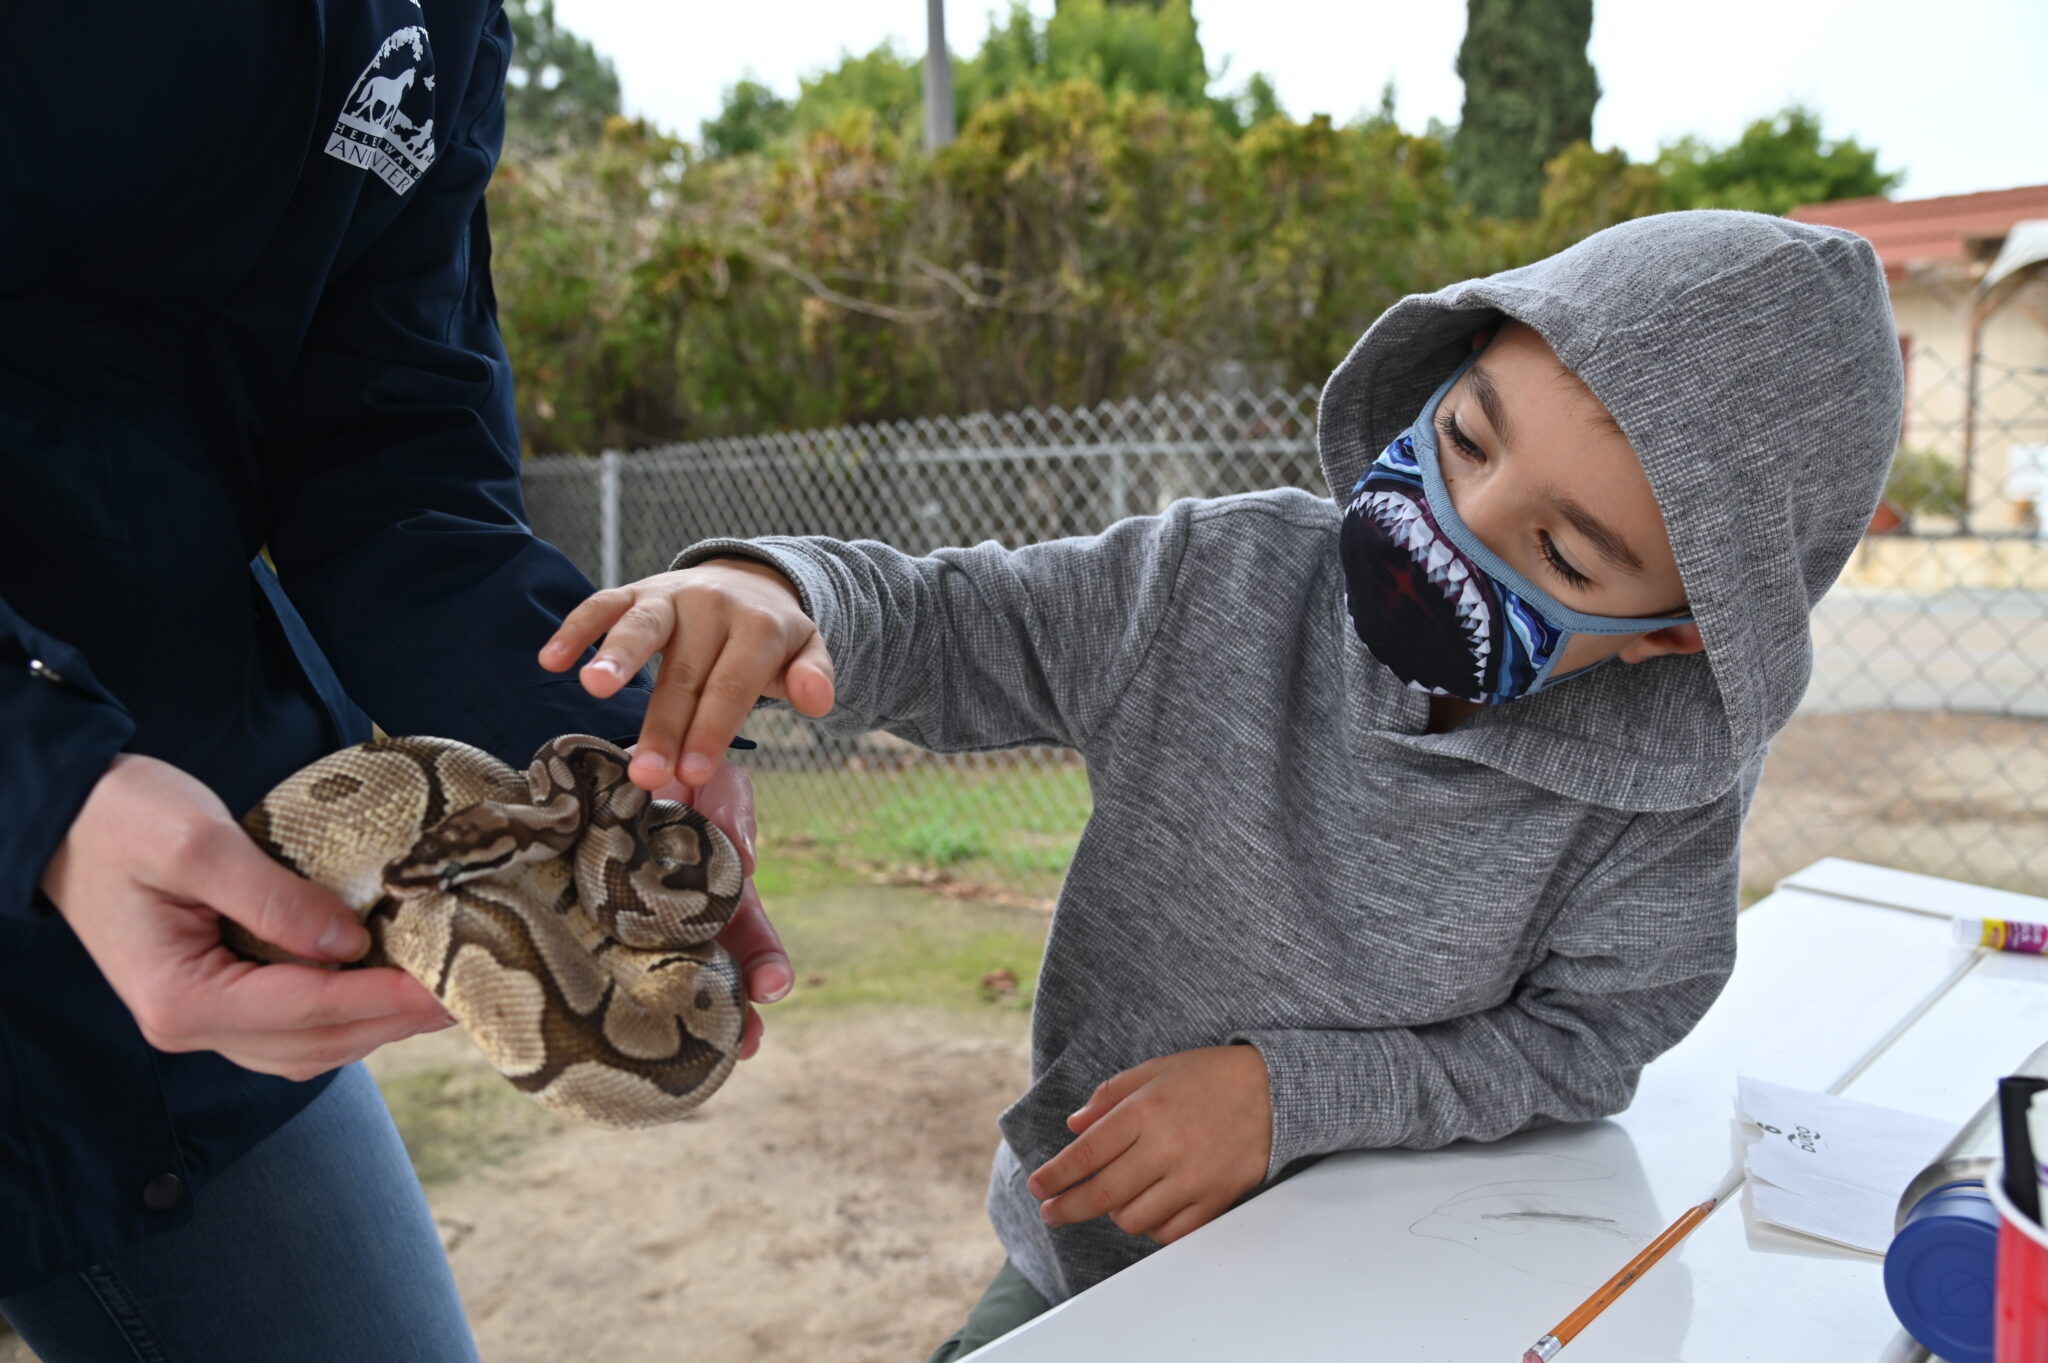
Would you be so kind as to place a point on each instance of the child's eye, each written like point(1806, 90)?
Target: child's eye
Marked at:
point(1558, 564)
point(1448, 424)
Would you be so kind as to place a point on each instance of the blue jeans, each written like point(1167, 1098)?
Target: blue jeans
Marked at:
point(316, 1247)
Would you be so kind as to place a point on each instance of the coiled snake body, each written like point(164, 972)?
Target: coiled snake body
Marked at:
point(564, 917)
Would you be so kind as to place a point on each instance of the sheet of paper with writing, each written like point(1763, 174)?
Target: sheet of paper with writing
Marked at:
point(1832, 1167)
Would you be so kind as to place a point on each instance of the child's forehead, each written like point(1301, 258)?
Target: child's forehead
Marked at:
point(1529, 382)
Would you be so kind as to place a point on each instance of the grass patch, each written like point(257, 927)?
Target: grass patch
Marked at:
point(866, 945)
point(455, 1119)
point(940, 843)
point(1011, 826)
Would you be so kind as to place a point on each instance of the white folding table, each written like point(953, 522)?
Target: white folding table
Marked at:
point(1469, 1253)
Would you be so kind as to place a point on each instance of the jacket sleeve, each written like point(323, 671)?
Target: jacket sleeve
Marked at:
point(986, 647)
point(59, 731)
point(1638, 953)
point(399, 531)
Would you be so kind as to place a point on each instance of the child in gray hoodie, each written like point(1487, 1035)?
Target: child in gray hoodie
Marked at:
point(1380, 854)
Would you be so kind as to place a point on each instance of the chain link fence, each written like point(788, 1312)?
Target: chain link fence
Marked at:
point(1922, 744)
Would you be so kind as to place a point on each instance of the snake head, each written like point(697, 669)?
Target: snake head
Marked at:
point(466, 845)
point(425, 870)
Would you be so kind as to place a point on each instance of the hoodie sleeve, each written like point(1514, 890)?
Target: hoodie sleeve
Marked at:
point(1637, 954)
point(400, 532)
point(969, 649)
point(59, 731)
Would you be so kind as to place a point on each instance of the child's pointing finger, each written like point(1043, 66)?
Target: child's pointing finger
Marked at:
point(634, 638)
point(584, 626)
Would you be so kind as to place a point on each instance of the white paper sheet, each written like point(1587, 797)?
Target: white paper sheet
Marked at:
point(1832, 1167)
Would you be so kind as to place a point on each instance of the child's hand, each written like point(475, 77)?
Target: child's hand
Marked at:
point(1171, 1145)
point(730, 631)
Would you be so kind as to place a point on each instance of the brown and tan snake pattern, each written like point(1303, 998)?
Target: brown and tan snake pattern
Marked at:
point(564, 917)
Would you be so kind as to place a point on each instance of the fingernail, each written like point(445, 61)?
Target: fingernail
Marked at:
point(696, 769)
point(1031, 1187)
point(609, 665)
point(776, 982)
point(554, 650)
point(343, 940)
point(650, 764)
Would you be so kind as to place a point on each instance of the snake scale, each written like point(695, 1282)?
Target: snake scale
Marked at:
point(564, 917)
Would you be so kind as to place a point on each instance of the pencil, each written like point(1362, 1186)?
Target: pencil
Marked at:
point(1545, 1349)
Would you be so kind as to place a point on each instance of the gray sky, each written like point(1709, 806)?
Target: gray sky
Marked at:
point(1955, 93)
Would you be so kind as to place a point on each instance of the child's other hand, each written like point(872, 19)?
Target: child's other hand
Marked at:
point(1170, 1144)
point(730, 631)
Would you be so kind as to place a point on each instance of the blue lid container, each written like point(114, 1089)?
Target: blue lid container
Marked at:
point(1940, 1270)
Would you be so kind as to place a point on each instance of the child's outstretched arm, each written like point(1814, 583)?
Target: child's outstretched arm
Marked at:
point(962, 649)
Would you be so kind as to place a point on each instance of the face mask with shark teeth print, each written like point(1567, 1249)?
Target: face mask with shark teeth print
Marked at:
point(1438, 608)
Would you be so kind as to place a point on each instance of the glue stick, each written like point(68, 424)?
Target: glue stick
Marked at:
point(2003, 934)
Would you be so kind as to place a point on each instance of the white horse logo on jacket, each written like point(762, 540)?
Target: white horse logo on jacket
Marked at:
point(375, 129)
point(386, 91)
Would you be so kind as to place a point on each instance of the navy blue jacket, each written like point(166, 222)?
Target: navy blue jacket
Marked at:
point(245, 304)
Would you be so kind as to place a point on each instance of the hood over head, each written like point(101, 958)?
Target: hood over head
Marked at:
point(1753, 364)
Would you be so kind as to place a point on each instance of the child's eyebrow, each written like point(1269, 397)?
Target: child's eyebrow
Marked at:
point(1611, 546)
point(1489, 402)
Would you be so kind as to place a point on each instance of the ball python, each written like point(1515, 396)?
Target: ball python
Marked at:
point(564, 916)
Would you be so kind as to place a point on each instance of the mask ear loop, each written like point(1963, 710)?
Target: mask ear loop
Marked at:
point(1438, 495)
point(1545, 677)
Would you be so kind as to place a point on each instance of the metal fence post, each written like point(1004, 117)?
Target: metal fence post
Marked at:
point(608, 517)
point(1119, 486)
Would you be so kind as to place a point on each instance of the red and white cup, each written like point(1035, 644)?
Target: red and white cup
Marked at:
point(2020, 1331)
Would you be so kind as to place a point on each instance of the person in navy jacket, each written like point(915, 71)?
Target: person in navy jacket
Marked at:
point(245, 320)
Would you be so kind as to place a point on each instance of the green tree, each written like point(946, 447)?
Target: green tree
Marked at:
point(884, 83)
point(1121, 46)
point(1585, 190)
point(1529, 94)
point(1777, 164)
point(1116, 233)
point(557, 88)
point(1124, 46)
point(1259, 101)
point(750, 117)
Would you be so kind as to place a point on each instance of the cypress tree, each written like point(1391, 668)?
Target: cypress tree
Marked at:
point(1529, 94)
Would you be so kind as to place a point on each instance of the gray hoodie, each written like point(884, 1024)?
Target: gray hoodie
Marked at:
point(1429, 937)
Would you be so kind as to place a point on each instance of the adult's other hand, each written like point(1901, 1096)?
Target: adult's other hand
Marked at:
point(149, 867)
point(727, 799)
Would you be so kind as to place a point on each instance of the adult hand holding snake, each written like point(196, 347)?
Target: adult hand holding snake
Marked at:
point(728, 801)
point(151, 864)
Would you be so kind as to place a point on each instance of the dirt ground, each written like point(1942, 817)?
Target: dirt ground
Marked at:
point(825, 1205)
point(1952, 794)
